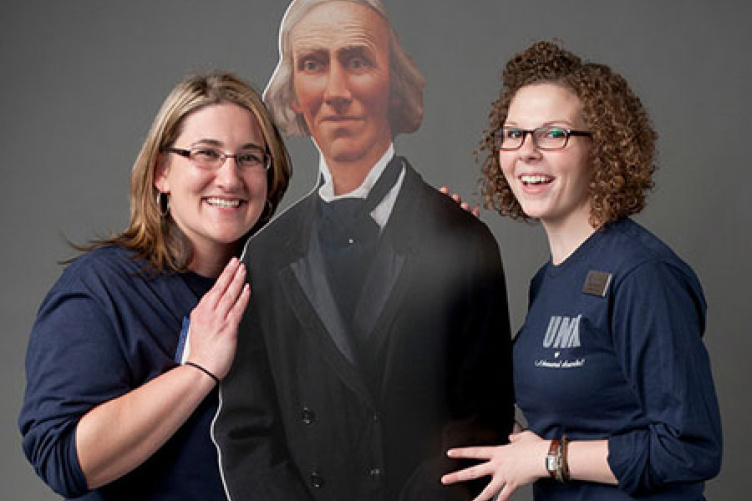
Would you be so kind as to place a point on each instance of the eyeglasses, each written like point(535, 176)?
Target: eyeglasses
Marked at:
point(212, 159)
point(544, 138)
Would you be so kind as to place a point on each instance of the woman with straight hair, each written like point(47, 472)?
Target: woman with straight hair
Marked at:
point(119, 398)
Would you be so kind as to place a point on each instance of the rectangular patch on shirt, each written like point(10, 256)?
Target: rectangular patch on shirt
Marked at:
point(596, 283)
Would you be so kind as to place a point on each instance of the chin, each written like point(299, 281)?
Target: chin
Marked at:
point(230, 236)
point(345, 149)
point(225, 240)
point(533, 212)
point(345, 155)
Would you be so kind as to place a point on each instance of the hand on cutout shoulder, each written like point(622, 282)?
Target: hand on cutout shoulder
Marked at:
point(214, 321)
point(457, 198)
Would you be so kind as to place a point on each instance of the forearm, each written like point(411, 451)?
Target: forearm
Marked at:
point(588, 461)
point(117, 436)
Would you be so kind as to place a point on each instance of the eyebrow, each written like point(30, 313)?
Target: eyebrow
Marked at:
point(303, 52)
point(354, 50)
point(220, 144)
point(348, 50)
point(550, 123)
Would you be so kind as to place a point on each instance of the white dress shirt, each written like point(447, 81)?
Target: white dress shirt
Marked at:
point(381, 213)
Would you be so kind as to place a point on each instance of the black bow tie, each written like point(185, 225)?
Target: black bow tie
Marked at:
point(348, 221)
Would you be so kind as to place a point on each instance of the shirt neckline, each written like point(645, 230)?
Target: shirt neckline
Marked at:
point(326, 191)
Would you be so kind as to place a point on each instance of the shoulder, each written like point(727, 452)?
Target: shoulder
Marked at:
point(294, 215)
point(89, 292)
point(537, 280)
point(112, 276)
point(443, 213)
point(283, 233)
point(631, 246)
point(445, 236)
point(104, 264)
point(644, 262)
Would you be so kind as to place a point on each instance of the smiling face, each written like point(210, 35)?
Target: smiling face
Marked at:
point(342, 81)
point(214, 209)
point(550, 185)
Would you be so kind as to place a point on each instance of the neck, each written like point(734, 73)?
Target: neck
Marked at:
point(563, 240)
point(211, 264)
point(348, 175)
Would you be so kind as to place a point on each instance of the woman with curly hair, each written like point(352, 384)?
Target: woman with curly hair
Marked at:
point(610, 369)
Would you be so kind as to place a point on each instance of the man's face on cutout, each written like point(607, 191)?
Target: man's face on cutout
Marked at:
point(342, 80)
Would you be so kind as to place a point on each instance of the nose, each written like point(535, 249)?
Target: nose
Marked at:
point(527, 149)
point(227, 176)
point(337, 85)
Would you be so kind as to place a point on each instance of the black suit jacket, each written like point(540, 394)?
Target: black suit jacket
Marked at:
point(298, 421)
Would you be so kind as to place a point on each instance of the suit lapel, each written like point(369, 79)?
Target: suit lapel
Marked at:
point(310, 298)
point(378, 288)
point(382, 275)
point(309, 272)
point(391, 278)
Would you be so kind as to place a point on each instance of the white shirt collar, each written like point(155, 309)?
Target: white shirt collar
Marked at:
point(326, 191)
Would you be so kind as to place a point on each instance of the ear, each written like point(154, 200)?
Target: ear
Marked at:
point(295, 106)
point(161, 173)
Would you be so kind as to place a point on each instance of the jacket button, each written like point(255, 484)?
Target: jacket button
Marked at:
point(317, 481)
point(376, 473)
point(307, 416)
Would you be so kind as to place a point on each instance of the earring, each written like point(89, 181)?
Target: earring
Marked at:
point(163, 204)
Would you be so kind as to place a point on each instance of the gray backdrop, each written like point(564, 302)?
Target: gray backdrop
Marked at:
point(82, 79)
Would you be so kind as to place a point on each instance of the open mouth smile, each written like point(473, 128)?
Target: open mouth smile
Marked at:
point(535, 179)
point(224, 203)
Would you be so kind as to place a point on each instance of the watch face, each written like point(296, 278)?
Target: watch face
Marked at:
point(553, 458)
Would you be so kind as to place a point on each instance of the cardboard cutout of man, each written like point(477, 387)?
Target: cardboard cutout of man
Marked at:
point(378, 334)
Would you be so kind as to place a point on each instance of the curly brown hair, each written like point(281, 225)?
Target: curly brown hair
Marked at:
point(623, 143)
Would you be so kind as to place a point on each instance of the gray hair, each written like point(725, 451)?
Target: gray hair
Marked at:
point(407, 82)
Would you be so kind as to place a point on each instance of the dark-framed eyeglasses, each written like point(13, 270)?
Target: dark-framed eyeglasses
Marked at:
point(208, 158)
point(549, 137)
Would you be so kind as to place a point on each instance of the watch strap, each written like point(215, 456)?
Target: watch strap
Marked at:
point(553, 458)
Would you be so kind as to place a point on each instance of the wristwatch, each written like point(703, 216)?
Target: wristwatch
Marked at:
point(553, 459)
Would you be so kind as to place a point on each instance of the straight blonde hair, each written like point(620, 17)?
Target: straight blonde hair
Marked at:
point(153, 235)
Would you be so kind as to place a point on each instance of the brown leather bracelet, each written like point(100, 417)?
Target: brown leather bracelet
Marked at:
point(553, 458)
point(564, 463)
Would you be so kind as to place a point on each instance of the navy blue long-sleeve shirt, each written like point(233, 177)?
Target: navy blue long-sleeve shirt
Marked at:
point(628, 366)
point(102, 331)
